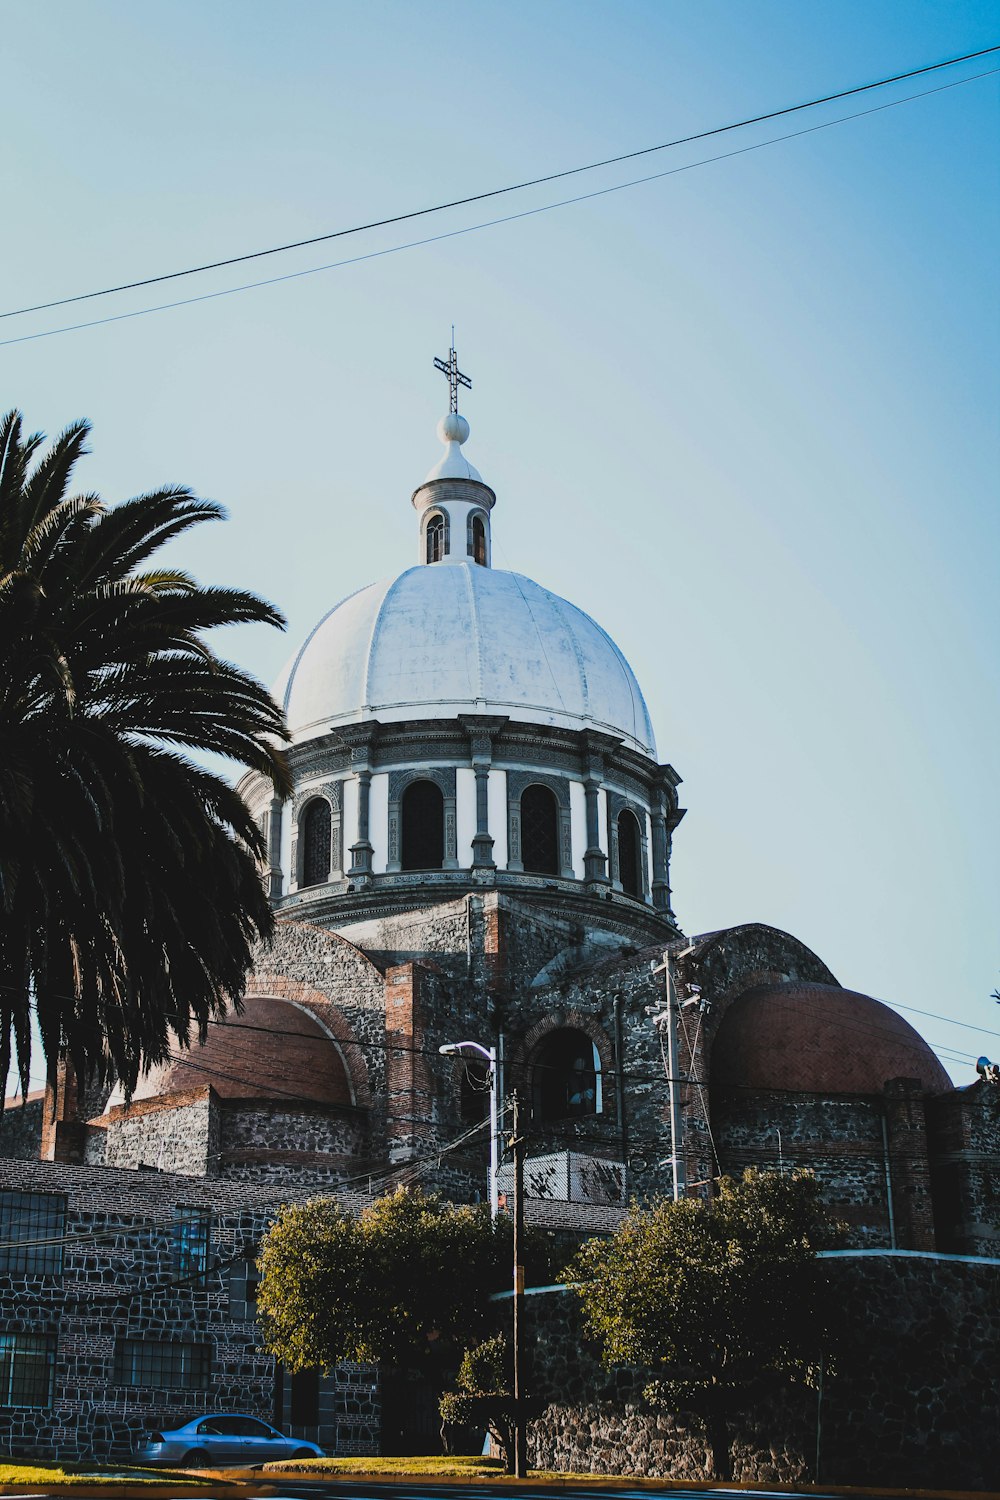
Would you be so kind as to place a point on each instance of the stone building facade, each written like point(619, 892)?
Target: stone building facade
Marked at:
point(477, 849)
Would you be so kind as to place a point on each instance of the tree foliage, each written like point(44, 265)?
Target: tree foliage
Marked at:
point(482, 1396)
point(130, 896)
point(406, 1281)
point(714, 1294)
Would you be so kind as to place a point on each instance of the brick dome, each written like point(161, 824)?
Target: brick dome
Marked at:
point(819, 1038)
point(274, 1050)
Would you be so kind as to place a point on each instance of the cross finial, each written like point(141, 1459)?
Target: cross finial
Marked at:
point(450, 368)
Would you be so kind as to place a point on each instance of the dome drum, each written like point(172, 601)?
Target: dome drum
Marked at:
point(479, 800)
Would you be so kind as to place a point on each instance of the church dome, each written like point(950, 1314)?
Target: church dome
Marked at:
point(818, 1038)
point(272, 1050)
point(459, 638)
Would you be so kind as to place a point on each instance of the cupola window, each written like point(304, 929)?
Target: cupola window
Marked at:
point(437, 538)
point(315, 834)
point(477, 540)
point(422, 819)
point(630, 855)
point(539, 831)
point(566, 1077)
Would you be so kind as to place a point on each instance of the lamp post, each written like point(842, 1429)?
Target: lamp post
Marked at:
point(451, 1049)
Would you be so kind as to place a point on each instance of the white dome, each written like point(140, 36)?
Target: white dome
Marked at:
point(439, 641)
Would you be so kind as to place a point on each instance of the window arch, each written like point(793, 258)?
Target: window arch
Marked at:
point(437, 537)
point(477, 540)
point(315, 830)
point(422, 824)
point(566, 1079)
point(630, 855)
point(539, 830)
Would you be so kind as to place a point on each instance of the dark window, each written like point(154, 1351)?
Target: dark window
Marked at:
point(304, 1409)
point(192, 1237)
point(32, 1226)
point(567, 1077)
point(629, 854)
point(244, 1280)
point(422, 816)
point(477, 540)
point(437, 538)
point(316, 842)
point(27, 1361)
point(539, 831)
point(162, 1364)
point(475, 1098)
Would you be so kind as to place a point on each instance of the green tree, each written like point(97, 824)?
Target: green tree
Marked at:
point(130, 892)
point(715, 1295)
point(406, 1282)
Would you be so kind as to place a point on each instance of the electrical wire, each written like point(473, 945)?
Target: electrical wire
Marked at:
point(485, 224)
point(511, 188)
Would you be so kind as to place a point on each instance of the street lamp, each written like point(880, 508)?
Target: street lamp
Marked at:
point(451, 1049)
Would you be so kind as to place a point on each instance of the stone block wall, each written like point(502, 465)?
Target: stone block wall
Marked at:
point(911, 1402)
point(120, 1279)
point(21, 1127)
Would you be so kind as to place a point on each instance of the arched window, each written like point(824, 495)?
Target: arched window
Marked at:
point(475, 1096)
point(477, 540)
point(437, 538)
point(567, 1077)
point(630, 855)
point(315, 835)
point(422, 817)
point(539, 831)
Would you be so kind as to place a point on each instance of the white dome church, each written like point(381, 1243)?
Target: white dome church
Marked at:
point(458, 718)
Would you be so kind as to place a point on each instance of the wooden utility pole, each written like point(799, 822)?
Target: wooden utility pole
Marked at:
point(518, 1144)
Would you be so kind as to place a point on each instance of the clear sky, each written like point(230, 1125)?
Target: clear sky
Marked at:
point(745, 415)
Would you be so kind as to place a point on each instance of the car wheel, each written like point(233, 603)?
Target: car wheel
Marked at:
point(195, 1456)
point(303, 1453)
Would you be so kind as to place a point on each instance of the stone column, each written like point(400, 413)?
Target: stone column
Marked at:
point(361, 742)
point(595, 861)
point(661, 856)
point(361, 851)
point(274, 880)
point(481, 731)
point(450, 861)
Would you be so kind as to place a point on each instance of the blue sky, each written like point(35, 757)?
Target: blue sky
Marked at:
point(745, 415)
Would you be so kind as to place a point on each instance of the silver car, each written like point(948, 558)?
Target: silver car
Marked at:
point(227, 1438)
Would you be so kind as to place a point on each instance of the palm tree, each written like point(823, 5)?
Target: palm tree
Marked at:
point(130, 890)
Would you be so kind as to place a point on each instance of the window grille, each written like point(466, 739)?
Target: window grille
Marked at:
point(567, 1077)
point(192, 1238)
point(475, 1095)
point(32, 1226)
point(244, 1279)
point(437, 539)
point(27, 1362)
point(163, 1364)
point(422, 817)
point(629, 855)
point(316, 828)
point(477, 540)
point(539, 831)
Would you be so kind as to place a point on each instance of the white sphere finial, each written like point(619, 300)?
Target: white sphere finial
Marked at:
point(453, 428)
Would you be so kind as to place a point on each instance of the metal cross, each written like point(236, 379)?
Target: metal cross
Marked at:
point(450, 368)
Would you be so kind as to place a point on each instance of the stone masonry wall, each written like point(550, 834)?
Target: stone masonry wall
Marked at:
point(120, 1280)
point(21, 1127)
point(912, 1401)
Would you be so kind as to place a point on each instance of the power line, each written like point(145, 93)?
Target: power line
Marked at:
point(516, 187)
point(473, 228)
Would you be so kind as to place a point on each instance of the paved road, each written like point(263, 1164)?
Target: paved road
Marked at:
point(358, 1490)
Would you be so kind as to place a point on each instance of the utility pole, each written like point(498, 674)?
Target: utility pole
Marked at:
point(518, 1145)
point(666, 1022)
